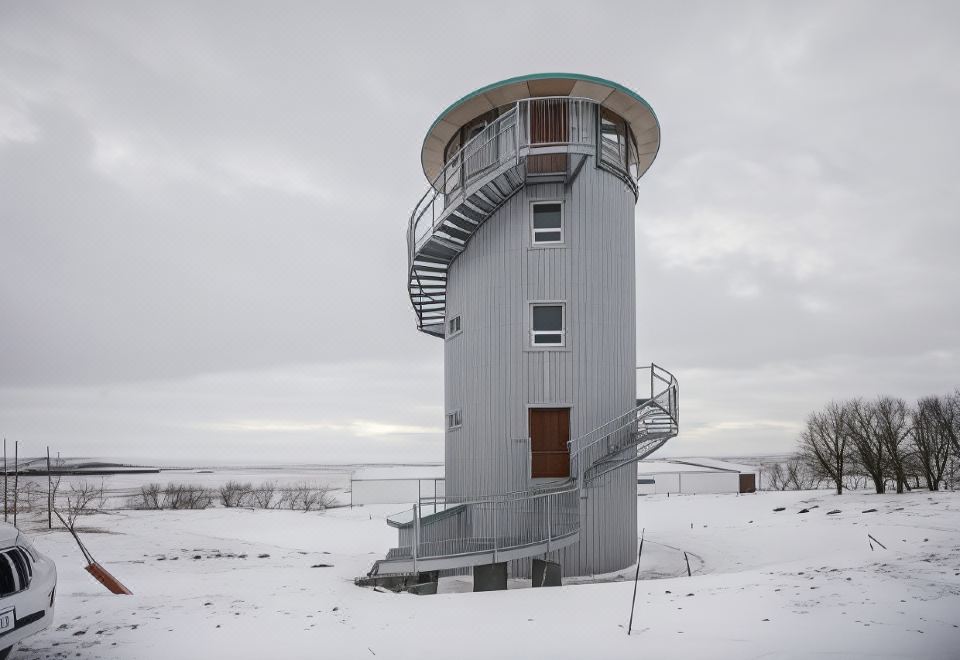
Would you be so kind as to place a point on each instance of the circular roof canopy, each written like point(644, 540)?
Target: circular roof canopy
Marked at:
point(626, 103)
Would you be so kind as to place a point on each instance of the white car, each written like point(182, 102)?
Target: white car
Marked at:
point(28, 583)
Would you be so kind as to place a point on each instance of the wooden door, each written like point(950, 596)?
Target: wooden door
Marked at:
point(549, 434)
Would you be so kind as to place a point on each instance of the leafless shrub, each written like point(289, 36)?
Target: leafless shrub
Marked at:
point(262, 497)
point(774, 477)
point(79, 499)
point(186, 496)
point(306, 497)
point(799, 476)
point(28, 496)
point(235, 494)
point(149, 497)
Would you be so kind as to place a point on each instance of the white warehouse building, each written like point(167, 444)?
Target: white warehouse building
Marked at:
point(691, 476)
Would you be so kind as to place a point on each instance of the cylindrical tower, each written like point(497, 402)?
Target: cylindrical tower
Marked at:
point(522, 260)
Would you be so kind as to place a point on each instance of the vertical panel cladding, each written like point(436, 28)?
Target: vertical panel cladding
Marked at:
point(494, 375)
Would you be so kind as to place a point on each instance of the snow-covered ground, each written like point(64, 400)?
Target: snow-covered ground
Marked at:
point(227, 583)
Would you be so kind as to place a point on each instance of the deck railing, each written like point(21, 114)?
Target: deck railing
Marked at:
point(546, 128)
point(497, 525)
point(500, 526)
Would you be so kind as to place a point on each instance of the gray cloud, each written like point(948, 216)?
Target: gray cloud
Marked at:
point(200, 206)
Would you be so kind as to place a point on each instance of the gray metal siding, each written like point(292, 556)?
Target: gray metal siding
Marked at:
point(494, 376)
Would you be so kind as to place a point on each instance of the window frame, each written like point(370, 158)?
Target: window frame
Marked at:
point(563, 324)
point(459, 319)
point(455, 419)
point(533, 228)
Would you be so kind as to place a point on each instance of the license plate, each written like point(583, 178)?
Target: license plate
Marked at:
point(8, 619)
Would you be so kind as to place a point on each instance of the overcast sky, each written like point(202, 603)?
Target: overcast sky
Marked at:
point(203, 209)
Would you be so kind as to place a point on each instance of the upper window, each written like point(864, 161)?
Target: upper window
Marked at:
point(454, 420)
point(547, 223)
point(453, 326)
point(548, 325)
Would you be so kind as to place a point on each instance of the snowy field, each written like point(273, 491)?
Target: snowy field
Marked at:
point(228, 583)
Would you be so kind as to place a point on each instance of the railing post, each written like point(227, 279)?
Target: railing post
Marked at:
point(496, 533)
point(549, 532)
point(416, 534)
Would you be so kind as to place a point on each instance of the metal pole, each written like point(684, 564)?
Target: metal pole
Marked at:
point(16, 478)
point(50, 493)
point(5, 490)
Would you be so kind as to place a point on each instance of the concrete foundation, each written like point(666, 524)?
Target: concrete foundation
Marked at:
point(546, 573)
point(491, 577)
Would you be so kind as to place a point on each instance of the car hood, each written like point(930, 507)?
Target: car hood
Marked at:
point(8, 534)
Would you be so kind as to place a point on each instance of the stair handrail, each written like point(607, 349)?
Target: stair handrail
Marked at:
point(663, 399)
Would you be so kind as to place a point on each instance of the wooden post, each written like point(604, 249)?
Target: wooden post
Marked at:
point(16, 478)
point(49, 492)
point(688, 564)
point(636, 579)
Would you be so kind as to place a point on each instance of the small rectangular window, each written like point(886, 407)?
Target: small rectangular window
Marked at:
point(547, 325)
point(548, 222)
point(454, 420)
point(453, 326)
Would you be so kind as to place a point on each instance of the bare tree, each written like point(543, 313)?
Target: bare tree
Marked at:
point(823, 443)
point(869, 449)
point(931, 441)
point(946, 410)
point(893, 428)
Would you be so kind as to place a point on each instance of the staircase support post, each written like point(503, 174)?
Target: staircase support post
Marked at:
point(416, 534)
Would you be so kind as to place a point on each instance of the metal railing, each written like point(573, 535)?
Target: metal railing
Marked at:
point(538, 127)
point(653, 417)
point(493, 146)
point(500, 526)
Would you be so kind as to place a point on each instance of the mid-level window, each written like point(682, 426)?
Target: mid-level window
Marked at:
point(453, 326)
point(454, 419)
point(547, 325)
point(547, 222)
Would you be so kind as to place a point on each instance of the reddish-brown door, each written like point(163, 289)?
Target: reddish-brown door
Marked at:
point(549, 434)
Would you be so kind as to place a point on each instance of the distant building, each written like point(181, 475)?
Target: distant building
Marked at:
point(696, 475)
point(522, 261)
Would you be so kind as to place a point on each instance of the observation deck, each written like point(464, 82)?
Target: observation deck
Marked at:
point(488, 145)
